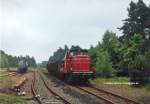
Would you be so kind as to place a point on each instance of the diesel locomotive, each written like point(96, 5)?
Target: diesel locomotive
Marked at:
point(76, 66)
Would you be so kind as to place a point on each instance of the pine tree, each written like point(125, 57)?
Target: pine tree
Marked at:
point(138, 21)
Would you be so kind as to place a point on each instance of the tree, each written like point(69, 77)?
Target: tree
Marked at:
point(31, 61)
point(135, 40)
point(106, 54)
point(75, 47)
point(103, 64)
point(134, 47)
point(43, 64)
point(3, 60)
point(58, 55)
point(111, 44)
point(138, 22)
point(92, 53)
point(129, 52)
point(12, 61)
point(66, 48)
point(139, 69)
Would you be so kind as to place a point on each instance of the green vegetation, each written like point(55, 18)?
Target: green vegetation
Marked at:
point(5, 82)
point(129, 54)
point(105, 55)
point(112, 79)
point(3, 71)
point(103, 64)
point(3, 60)
point(147, 87)
point(43, 64)
point(12, 61)
point(60, 53)
point(9, 99)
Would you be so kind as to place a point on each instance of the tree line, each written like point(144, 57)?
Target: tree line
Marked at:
point(126, 55)
point(60, 53)
point(12, 61)
point(129, 54)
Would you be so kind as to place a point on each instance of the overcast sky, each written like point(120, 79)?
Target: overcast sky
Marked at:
point(39, 27)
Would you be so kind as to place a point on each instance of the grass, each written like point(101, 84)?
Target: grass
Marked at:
point(123, 82)
point(9, 99)
point(112, 80)
point(147, 87)
point(4, 70)
point(7, 69)
point(5, 81)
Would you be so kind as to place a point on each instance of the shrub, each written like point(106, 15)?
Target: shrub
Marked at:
point(139, 69)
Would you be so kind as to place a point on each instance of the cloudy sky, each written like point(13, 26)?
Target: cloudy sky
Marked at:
point(39, 27)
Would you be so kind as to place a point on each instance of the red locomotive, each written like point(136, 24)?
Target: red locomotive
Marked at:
point(76, 66)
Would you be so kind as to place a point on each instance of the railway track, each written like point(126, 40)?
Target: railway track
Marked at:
point(127, 100)
point(89, 91)
point(33, 89)
point(108, 97)
point(59, 99)
point(54, 91)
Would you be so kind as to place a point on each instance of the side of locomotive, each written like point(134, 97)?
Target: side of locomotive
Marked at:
point(76, 66)
point(22, 67)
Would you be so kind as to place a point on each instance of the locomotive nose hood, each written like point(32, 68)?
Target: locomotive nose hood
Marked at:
point(81, 63)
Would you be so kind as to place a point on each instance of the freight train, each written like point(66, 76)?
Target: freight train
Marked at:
point(76, 66)
point(22, 67)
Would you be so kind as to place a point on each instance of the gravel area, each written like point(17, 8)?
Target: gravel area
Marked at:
point(77, 96)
